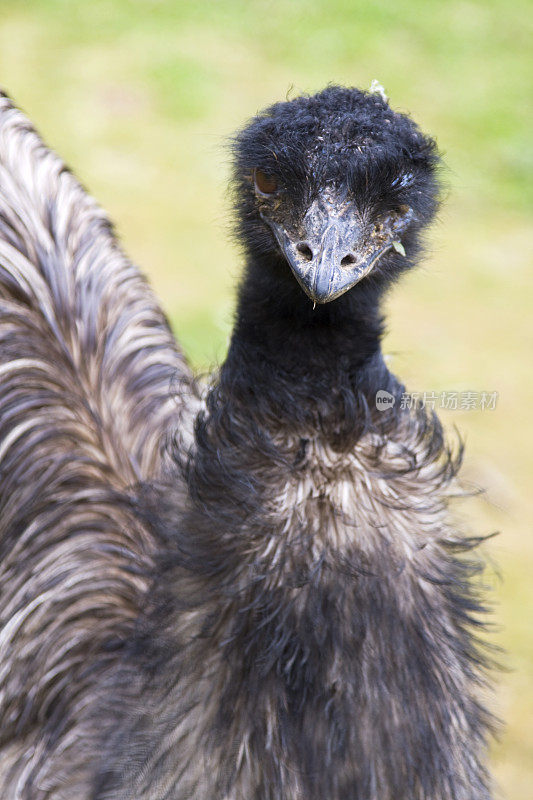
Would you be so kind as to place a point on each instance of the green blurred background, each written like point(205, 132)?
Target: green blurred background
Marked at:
point(139, 97)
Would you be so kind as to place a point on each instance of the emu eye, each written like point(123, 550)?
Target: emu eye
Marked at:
point(265, 184)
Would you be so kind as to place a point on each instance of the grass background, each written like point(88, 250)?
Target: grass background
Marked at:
point(139, 97)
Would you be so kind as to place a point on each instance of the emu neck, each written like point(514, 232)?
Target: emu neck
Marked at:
point(298, 356)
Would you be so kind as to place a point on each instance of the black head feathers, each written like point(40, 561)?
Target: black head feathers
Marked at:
point(337, 185)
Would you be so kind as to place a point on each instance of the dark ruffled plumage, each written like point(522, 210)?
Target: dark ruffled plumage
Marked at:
point(250, 589)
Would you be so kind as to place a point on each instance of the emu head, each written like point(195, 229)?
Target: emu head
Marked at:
point(334, 189)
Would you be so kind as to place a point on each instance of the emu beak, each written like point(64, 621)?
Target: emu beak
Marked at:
point(335, 251)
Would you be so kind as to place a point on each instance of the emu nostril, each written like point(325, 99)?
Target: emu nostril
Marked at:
point(347, 260)
point(304, 250)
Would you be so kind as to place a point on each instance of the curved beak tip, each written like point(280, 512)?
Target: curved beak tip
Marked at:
point(323, 282)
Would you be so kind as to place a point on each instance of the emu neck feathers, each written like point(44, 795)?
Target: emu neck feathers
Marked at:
point(308, 368)
point(290, 445)
point(276, 322)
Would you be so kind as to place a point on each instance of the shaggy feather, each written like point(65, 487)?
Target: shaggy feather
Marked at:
point(86, 364)
point(252, 589)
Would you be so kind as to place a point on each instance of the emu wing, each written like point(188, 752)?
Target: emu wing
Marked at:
point(91, 383)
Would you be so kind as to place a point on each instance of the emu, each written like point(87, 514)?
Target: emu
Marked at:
point(250, 587)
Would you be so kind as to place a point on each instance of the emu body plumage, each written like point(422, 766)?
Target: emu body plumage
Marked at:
point(250, 590)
